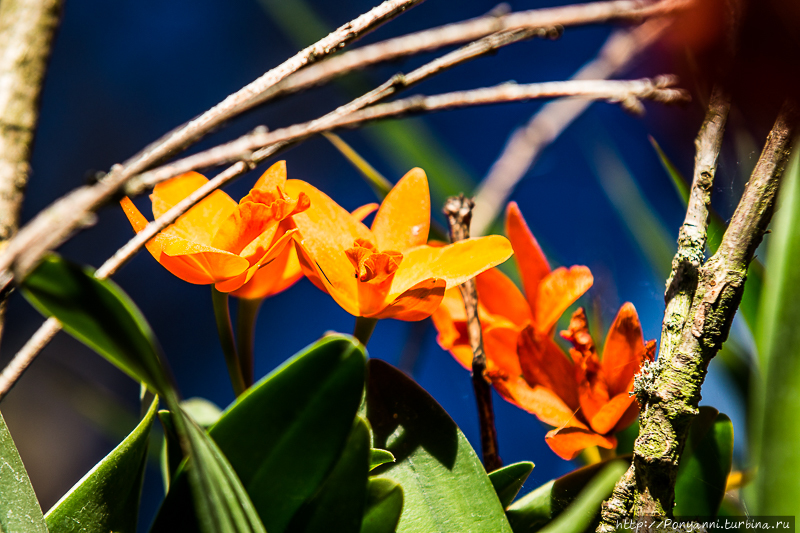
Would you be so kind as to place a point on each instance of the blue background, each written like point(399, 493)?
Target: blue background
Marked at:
point(123, 73)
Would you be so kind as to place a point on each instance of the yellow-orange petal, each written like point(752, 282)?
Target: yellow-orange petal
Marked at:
point(450, 320)
point(500, 296)
point(454, 263)
point(568, 442)
point(610, 414)
point(500, 345)
point(623, 349)
point(557, 291)
point(248, 222)
point(273, 177)
point(326, 231)
point(532, 263)
point(200, 223)
point(539, 401)
point(198, 263)
point(271, 254)
point(417, 303)
point(627, 418)
point(404, 218)
point(544, 363)
point(364, 211)
point(274, 277)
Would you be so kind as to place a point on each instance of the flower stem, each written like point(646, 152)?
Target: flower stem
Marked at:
point(222, 315)
point(246, 315)
point(364, 328)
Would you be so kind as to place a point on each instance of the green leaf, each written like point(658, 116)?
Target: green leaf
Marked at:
point(107, 498)
point(776, 431)
point(99, 314)
point(680, 183)
point(384, 506)
point(444, 484)
point(704, 464)
point(171, 452)
point(508, 480)
point(378, 457)
point(284, 435)
point(202, 411)
point(19, 508)
point(339, 504)
point(584, 510)
point(546, 502)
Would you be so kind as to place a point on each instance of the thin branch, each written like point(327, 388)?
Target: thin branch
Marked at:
point(627, 93)
point(671, 395)
point(54, 225)
point(68, 214)
point(527, 142)
point(27, 30)
point(399, 82)
point(458, 211)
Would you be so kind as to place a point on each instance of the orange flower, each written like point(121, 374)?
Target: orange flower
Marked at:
point(587, 398)
point(219, 241)
point(503, 310)
point(388, 271)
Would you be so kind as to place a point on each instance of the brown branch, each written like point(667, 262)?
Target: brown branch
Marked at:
point(27, 29)
point(59, 221)
point(458, 211)
point(47, 331)
point(54, 225)
point(527, 142)
point(671, 395)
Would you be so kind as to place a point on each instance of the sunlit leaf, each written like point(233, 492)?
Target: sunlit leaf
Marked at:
point(384, 506)
point(19, 508)
point(445, 487)
point(378, 457)
point(704, 464)
point(107, 498)
point(508, 480)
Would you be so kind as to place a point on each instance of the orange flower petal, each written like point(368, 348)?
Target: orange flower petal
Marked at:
point(538, 400)
point(450, 320)
point(404, 218)
point(533, 266)
point(248, 222)
point(567, 443)
point(273, 277)
point(557, 291)
point(274, 251)
point(610, 413)
point(544, 363)
point(364, 211)
point(327, 231)
point(623, 350)
point(500, 296)
point(273, 177)
point(200, 222)
point(500, 344)
point(627, 418)
point(454, 263)
point(417, 303)
point(197, 263)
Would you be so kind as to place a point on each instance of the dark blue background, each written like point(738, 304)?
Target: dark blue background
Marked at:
point(123, 73)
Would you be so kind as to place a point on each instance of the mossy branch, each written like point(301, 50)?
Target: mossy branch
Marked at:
point(702, 299)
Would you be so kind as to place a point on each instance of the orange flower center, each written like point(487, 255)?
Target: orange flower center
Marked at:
point(370, 264)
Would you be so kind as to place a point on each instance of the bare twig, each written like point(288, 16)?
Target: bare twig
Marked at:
point(627, 93)
point(54, 225)
point(670, 397)
point(27, 29)
point(527, 142)
point(69, 213)
point(458, 211)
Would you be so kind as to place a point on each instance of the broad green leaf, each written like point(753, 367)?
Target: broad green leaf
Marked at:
point(384, 506)
point(776, 431)
point(546, 502)
point(19, 508)
point(339, 503)
point(99, 314)
point(585, 509)
point(171, 452)
point(508, 480)
point(378, 457)
point(107, 498)
point(285, 434)
point(445, 487)
point(704, 465)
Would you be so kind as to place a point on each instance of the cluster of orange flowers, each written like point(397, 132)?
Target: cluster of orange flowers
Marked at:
point(584, 397)
point(284, 229)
